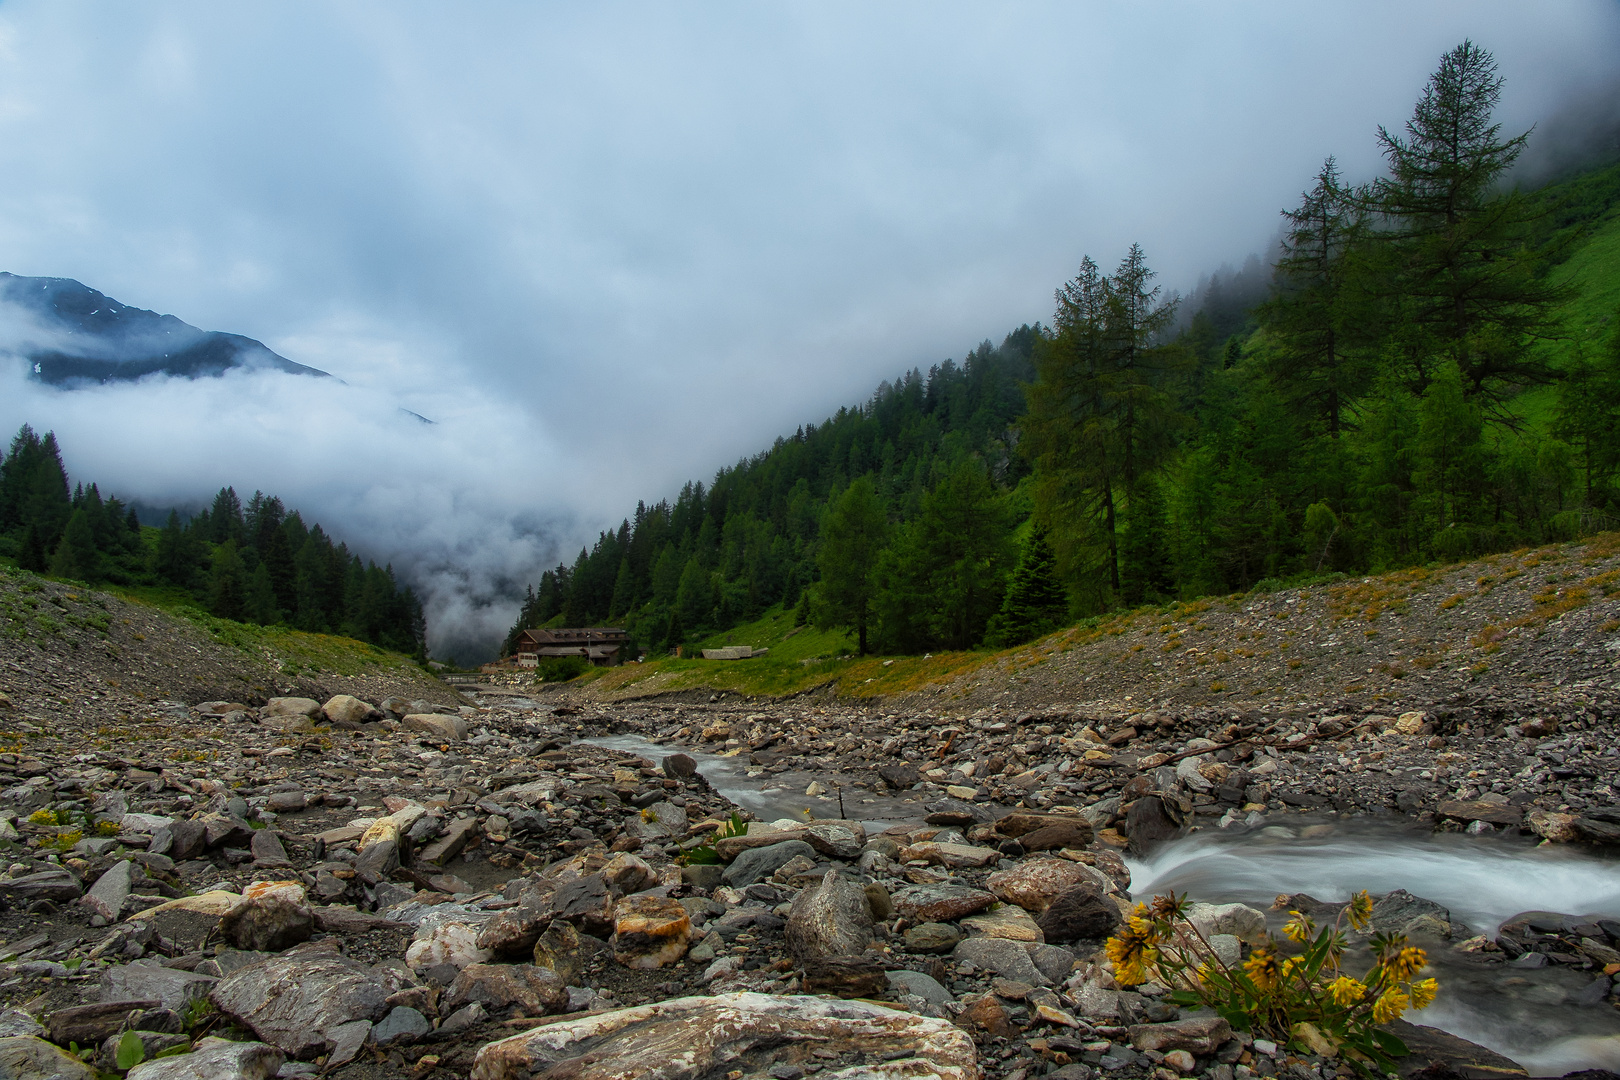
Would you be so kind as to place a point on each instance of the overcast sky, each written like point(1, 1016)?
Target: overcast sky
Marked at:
point(616, 246)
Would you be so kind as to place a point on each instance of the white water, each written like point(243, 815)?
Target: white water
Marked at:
point(1484, 881)
point(1528, 1015)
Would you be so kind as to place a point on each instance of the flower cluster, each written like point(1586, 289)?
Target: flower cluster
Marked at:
point(1285, 989)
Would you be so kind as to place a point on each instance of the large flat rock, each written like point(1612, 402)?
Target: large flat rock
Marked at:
point(745, 1036)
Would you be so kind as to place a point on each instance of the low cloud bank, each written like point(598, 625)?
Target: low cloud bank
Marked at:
point(464, 508)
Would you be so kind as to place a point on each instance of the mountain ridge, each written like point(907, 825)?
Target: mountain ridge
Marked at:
point(98, 339)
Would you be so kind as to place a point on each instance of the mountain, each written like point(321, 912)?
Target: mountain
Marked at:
point(78, 335)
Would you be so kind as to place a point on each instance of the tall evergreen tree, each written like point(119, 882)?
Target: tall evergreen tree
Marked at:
point(1469, 287)
point(1036, 602)
point(852, 538)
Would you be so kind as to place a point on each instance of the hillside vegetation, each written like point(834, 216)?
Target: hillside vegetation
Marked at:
point(1432, 376)
point(1547, 616)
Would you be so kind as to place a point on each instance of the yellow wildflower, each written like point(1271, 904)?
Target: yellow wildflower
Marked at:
point(1291, 966)
point(1389, 1006)
point(1406, 963)
point(1132, 954)
point(1359, 910)
point(1299, 927)
point(1423, 993)
point(1262, 969)
point(1347, 991)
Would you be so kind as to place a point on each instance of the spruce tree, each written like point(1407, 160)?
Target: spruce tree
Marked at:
point(852, 537)
point(227, 587)
point(1036, 602)
point(76, 556)
point(1318, 359)
point(260, 603)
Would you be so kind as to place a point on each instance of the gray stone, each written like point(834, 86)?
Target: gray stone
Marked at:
point(1400, 912)
point(703, 876)
point(1080, 912)
point(932, 937)
point(58, 885)
point(756, 864)
point(346, 1041)
point(291, 706)
point(680, 766)
point(402, 1025)
point(1055, 962)
point(1004, 957)
point(1196, 1035)
point(148, 980)
point(830, 919)
point(268, 852)
point(689, 1038)
point(448, 728)
point(106, 897)
point(347, 709)
point(269, 919)
point(23, 1057)
point(16, 1022)
point(292, 999)
point(533, 991)
point(920, 985)
point(941, 903)
point(835, 839)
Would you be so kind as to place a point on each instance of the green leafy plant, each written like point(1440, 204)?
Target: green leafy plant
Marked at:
point(64, 842)
point(705, 854)
point(131, 1051)
point(44, 817)
point(1304, 1000)
point(107, 828)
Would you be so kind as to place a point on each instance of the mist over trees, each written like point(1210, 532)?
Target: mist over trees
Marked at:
point(255, 563)
point(1398, 387)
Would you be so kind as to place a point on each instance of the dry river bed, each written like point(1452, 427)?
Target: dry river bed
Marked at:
point(518, 887)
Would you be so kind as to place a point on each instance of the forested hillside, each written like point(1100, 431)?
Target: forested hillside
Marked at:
point(258, 563)
point(1433, 374)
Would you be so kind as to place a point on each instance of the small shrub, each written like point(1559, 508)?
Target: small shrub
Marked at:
point(561, 668)
point(1295, 1000)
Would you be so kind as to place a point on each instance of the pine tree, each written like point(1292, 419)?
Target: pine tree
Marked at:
point(1036, 602)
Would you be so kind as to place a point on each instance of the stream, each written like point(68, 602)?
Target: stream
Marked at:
point(1530, 1015)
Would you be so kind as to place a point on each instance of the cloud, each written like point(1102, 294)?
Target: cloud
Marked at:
point(454, 505)
point(647, 239)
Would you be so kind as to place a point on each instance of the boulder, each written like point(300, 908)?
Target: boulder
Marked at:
point(1021, 823)
point(1400, 912)
point(453, 943)
point(920, 985)
point(1432, 1052)
point(758, 863)
point(292, 1000)
point(24, 1057)
point(533, 991)
point(90, 1024)
point(940, 903)
point(291, 707)
point(1064, 834)
point(836, 839)
point(1494, 813)
point(347, 709)
point(106, 897)
point(650, 931)
point(830, 919)
point(214, 1059)
point(932, 937)
point(148, 980)
point(1006, 958)
point(58, 885)
point(1239, 920)
point(560, 950)
point(403, 1024)
point(899, 776)
point(957, 856)
point(695, 1037)
point(1034, 883)
point(272, 916)
point(1080, 912)
point(449, 728)
point(1197, 1035)
point(680, 766)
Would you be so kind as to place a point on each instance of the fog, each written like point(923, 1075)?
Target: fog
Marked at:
point(609, 249)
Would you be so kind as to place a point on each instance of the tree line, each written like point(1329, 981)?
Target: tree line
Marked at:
point(1404, 392)
point(256, 563)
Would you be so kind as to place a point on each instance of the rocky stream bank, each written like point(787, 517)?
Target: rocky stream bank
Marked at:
point(515, 886)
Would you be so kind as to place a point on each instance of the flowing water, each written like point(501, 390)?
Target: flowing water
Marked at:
point(1529, 1015)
